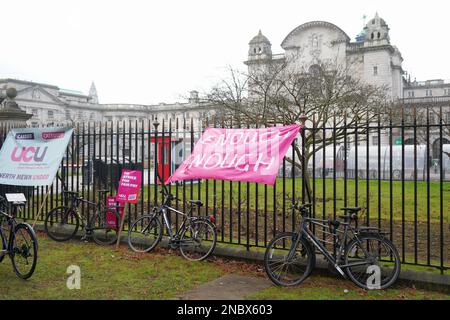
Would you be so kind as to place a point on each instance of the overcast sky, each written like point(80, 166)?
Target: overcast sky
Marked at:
point(141, 51)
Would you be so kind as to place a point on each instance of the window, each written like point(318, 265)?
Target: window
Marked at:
point(315, 70)
point(68, 117)
point(410, 94)
point(50, 114)
point(429, 93)
point(35, 112)
point(432, 118)
point(447, 118)
point(379, 35)
point(374, 140)
point(375, 71)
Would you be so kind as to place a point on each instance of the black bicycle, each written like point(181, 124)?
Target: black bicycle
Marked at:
point(63, 222)
point(196, 237)
point(21, 245)
point(362, 254)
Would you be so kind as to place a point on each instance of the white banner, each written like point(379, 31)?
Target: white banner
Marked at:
point(31, 156)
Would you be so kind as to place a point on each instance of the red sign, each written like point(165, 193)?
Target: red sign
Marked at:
point(111, 219)
point(129, 186)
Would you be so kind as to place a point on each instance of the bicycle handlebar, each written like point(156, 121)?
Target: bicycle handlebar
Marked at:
point(302, 207)
point(165, 191)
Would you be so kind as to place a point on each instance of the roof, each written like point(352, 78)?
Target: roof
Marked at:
point(313, 24)
point(259, 38)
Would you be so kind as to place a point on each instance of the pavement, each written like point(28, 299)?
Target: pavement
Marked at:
point(228, 287)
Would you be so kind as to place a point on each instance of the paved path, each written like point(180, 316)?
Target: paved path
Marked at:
point(228, 287)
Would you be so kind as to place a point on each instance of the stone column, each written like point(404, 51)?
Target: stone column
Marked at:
point(11, 116)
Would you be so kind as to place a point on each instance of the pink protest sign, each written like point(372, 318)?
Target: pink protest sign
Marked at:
point(111, 219)
point(251, 155)
point(129, 185)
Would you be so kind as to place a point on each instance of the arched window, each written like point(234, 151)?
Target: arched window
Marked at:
point(315, 70)
point(372, 36)
point(379, 35)
point(437, 147)
point(259, 50)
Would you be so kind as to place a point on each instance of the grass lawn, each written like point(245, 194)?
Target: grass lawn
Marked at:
point(377, 205)
point(110, 274)
point(378, 202)
point(326, 288)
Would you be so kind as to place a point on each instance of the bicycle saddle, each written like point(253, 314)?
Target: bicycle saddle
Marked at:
point(353, 213)
point(196, 202)
point(352, 210)
point(71, 192)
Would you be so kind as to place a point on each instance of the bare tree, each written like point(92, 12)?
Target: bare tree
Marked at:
point(280, 94)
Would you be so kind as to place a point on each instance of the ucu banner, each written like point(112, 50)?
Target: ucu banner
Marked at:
point(27, 154)
point(31, 156)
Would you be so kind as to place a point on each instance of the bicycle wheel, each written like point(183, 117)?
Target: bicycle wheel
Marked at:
point(145, 233)
point(285, 271)
point(61, 223)
point(198, 240)
point(24, 251)
point(105, 227)
point(376, 262)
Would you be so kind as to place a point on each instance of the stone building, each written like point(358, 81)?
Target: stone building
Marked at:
point(371, 57)
point(50, 104)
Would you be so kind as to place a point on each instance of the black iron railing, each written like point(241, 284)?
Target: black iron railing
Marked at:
point(404, 189)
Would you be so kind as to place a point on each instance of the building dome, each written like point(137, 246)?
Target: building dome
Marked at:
point(259, 38)
point(377, 22)
point(377, 29)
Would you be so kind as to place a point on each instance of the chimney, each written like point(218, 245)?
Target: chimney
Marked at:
point(193, 97)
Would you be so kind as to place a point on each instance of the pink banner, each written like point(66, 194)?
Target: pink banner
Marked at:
point(129, 185)
point(250, 155)
point(111, 219)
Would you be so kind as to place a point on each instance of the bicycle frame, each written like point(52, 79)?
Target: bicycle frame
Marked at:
point(12, 223)
point(164, 210)
point(335, 261)
point(98, 206)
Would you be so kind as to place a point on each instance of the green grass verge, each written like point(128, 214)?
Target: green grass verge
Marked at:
point(105, 274)
point(110, 274)
point(326, 288)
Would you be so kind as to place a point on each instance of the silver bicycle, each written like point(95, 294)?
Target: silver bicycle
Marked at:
point(196, 236)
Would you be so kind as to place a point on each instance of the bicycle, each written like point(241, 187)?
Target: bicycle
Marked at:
point(361, 254)
point(196, 237)
point(21, 245)
point(62, 223)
